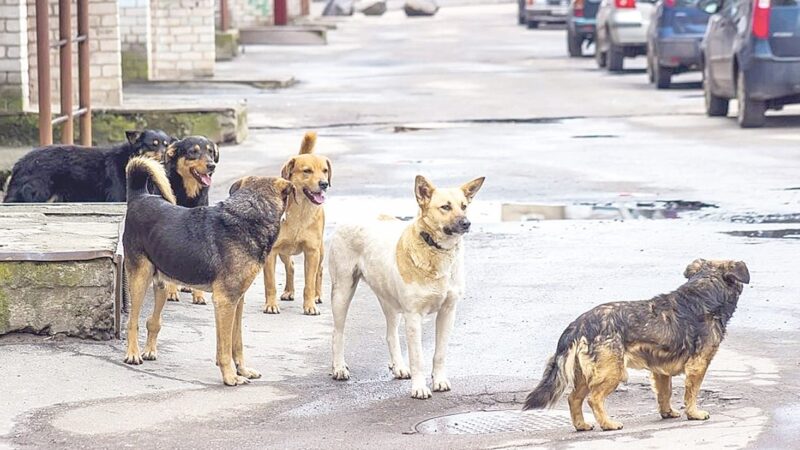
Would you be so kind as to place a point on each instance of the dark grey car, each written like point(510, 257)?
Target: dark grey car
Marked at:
point(751, 52)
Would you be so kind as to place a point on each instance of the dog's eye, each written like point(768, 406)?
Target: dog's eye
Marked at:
point(324, 170)
point(463, 207)
point(446, 207)
point(308, 171)
point(165, 143)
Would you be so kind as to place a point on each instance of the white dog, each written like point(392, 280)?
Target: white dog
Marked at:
point(414, 271)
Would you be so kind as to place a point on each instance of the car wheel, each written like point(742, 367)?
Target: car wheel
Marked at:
point(616, 56)
point(574, 45)
point(715, 106)
point(751, 112)
point(521, 12)
point(533, 24)
point(662, 76)
point(599, 57)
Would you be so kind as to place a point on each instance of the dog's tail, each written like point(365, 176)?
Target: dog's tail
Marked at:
point(141, 169)
point(558, 374)
point(309, 140)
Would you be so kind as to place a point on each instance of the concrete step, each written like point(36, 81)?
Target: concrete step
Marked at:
point(284, 35)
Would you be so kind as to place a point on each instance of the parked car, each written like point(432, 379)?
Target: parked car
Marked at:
point(751, 52)
point(535, 12)
point(673, 40)
point(621, 31)
point(580, 25)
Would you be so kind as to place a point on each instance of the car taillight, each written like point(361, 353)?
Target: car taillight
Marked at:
point(529, 2)
point(625, 3)
point(577, 8)
point(670, 3)
point(761, 19)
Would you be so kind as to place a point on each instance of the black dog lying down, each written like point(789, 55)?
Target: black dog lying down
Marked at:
point(218, 248)
point(70, 173)
point(671, 334)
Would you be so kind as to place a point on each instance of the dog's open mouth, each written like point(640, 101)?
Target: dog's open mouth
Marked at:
point(316, 198)
point(202, 178)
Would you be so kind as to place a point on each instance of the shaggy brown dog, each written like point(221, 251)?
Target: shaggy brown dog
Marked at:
point(302, 228)
point(671, 334)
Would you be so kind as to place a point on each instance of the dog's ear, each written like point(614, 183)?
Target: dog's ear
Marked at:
point(215, 152)
point(286, 170)
point(738, 272)
point(132, 136)
point(330, 171)
point(423, 189)
point(693, 268)
point(472, 188)
point(284, 187)
point(237, 185)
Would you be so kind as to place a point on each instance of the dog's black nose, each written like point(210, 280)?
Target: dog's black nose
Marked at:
point(463, 224)
point(323, 185)
point(210, 167)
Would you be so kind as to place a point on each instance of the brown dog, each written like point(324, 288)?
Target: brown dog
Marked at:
point(670, 334)
point(301, 229)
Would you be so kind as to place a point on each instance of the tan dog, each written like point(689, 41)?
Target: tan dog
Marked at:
point(301, 229)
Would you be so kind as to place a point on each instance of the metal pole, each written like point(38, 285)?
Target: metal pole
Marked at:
point(224, 15)
point(65, 63)
point(43, 71)
point(84, 97)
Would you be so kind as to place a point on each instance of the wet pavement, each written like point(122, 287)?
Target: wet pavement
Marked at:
point(465, 94)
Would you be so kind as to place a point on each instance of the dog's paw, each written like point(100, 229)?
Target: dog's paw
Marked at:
point(611, 426)
point(198, 300)
point(441, 385)
point(150, 355)
point(697, 414)
point(250, 374)
point(583, 426)
point(400, 372)
point(172, 296)
point(272, 309)
point(341, 373)
point(318, 301)
point(420, 392)
point(235, 380)
point(287, 296)
point(673, 413)
point(133, 359)
point(310, 310)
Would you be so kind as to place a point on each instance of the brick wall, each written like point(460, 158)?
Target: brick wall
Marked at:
point(104, 46)
point(182, 39)
point(134, 30)
point(14, 91)
point(247, 13)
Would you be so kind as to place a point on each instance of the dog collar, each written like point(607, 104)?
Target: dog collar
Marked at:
point(429, 240)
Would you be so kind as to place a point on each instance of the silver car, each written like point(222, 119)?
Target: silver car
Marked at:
point(621, 31)
point(545, 11)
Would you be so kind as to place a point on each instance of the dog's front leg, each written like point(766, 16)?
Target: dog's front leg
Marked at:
point(695, 372)
point(172, 292)
point(197, 297)
point(154, 322)
point(419, 388)
point(271, 307)
point(139, 278)
point(225, 315)
point(288, 288)
point(238, 348)
point(311, 266)
point(444, 325)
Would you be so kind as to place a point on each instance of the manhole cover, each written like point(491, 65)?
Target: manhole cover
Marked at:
point(487, 422)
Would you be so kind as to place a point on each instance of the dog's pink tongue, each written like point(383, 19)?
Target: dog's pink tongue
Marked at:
point(205, 179)
point(319, 197)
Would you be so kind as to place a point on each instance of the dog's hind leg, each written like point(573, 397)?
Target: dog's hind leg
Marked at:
point(444, 325)
point(225, 316)
point(575, 400)
point(343, 287)
point(695, 369)
point(140, 275)
point(662, 385)
point(197, 297)
point(311, 261)
point(419, 388)
point(318, 284)
point(238, 347)
point(397, 364)
point(271, 306)
point(288, 288)
point(172, 292)
point(604, 375)
point(154, 322)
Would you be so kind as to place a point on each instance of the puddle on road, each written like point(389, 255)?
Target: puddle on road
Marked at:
point(790, 233)
point(669, 209)
point(595, 136)
point(766, 218)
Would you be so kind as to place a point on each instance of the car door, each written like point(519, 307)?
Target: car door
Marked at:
point(725, 35)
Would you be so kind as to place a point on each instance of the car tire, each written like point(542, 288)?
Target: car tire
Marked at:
point(715, 106)
point(616, 56)
point(520, 12)
point(750, 113)
point(662, 76)
point(574, 45)
point(532, 24)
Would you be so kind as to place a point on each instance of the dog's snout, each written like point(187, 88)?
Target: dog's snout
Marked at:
point(324, 184)
point(463, 224)
point(210, 166)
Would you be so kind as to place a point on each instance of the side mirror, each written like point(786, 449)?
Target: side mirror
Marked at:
point(709, 6)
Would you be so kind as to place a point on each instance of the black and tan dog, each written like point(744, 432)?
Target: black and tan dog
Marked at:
point(71, 173)
point(671, 334)
point(190, 163)
point(218, 248)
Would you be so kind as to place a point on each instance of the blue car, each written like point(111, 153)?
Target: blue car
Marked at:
point(580, 25)
point(751, 52)
point(673, 40)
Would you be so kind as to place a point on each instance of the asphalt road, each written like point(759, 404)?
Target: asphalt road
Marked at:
point(465, 94)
